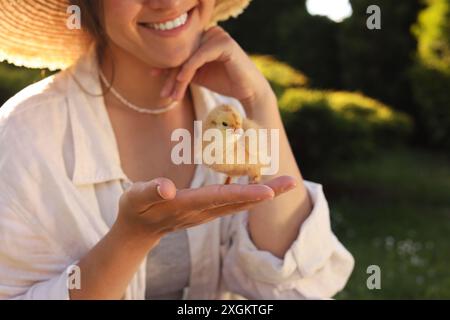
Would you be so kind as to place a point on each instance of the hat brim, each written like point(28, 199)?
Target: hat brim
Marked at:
point(35, 33)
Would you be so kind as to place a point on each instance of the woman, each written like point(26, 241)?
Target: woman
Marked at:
point(83, 214)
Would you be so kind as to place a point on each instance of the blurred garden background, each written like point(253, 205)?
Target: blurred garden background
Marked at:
point(368, 116)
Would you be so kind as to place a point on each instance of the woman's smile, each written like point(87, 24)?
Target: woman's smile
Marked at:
point(169, 27)
point(162, 34)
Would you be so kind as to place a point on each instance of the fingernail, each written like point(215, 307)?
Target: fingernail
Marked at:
point(158, 189)
point(175, 96)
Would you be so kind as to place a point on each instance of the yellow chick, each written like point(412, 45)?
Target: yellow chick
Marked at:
point(227, 118)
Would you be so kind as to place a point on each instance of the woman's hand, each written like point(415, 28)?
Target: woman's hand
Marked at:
point(220, 65)
point(155, 208)
point(149, 210)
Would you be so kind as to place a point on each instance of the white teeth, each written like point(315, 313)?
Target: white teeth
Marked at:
point(169, 25)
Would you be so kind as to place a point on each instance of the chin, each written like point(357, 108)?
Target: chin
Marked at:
point(170, 58)
point(174, 52)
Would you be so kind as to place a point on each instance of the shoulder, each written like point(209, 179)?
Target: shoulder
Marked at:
point(35, 97)
point(34, 111)
point(32, 126)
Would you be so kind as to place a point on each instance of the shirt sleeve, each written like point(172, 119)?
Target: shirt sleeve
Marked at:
point(316, 266)
point(29, 268)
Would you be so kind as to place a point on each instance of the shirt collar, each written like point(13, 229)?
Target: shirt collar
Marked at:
point(96, 155)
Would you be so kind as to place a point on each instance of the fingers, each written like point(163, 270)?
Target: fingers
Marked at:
point(279, 186)
point(231, 209)
point(189, 69)
point(180, 89)
point(213, 196)
point(141, 195)
point(235, 195)
point(205, 216)
point(190, 207)
point(170, 83)
point(282, 184)
point(213, 48)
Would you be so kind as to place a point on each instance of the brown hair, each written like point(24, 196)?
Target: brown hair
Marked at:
point(92, 21)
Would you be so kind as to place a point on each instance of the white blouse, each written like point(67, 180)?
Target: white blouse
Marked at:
point(60, 183)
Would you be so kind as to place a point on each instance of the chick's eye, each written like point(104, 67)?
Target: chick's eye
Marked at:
point(225, 124)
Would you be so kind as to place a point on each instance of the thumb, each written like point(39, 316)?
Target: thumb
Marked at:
point(141, 195)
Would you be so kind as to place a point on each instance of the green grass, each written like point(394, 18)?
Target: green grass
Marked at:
point(394, 211)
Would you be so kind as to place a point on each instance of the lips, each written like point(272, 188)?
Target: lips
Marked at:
point(168, 25)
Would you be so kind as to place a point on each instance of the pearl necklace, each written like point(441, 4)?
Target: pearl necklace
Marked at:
point(153, 111)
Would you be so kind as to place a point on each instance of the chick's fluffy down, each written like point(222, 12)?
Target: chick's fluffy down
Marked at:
point(227, 119)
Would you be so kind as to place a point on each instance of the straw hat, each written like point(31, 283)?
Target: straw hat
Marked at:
point(34, 33)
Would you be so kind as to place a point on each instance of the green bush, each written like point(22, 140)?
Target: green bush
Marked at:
point(341, 125)
point(431, 74)
point(328, 127)
point(279, 74)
